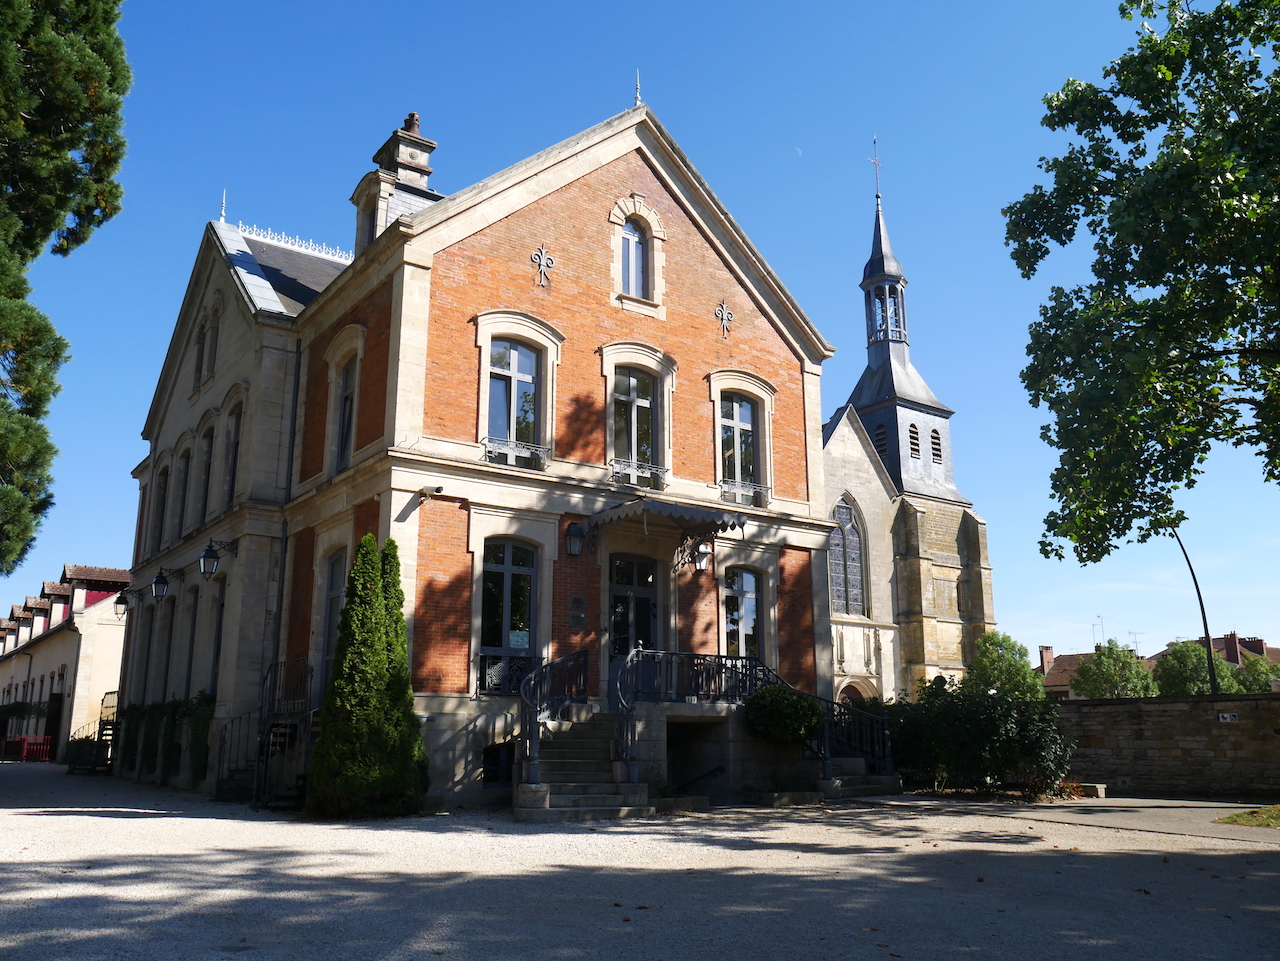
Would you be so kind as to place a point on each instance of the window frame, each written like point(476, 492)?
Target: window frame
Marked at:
point(754, 388)
point(662, 368)
point(857, 524)
point(540, 336)
point(742, 594)
point(635, 210)
point(522, 658)
point(761, 560)
point(344, 350)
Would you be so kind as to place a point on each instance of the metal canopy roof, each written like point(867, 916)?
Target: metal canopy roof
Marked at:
point(685, 516)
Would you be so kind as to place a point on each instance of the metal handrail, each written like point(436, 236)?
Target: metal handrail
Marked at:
point(544, 694)
point(671, 677)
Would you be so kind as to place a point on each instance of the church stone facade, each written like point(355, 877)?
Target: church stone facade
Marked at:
point(590, 416)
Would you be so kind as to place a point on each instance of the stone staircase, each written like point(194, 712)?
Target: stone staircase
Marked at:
point(578, 779)
point(849, 779)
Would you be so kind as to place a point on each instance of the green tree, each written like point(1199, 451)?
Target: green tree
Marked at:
point(1257, 673)
point(1175, 343)
point(409, 761)
point(1001, 664)
point(63, 77)
point(1114, 671)
point(350, 768)
point(1184, 670)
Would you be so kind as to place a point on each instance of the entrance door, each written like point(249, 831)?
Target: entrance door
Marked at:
point(633, 605)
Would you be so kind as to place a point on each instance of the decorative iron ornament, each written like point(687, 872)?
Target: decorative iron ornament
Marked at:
point(544, 263)
point(725, 316)
point(297, 243)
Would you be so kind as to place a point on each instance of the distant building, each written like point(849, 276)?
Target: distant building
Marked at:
point(1233, 648)
point(60, 653)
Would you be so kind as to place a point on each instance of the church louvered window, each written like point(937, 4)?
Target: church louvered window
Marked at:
point(881, 440)
point(913, 437)
point(844, 558)
point(935, 440)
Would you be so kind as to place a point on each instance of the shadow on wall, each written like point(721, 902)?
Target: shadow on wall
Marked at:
point(580, 434)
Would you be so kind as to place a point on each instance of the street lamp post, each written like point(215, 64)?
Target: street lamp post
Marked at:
point(1204, 618)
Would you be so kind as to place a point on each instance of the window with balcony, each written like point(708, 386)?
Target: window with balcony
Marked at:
point(739, 457)
point(636, 442)
point(514, 424)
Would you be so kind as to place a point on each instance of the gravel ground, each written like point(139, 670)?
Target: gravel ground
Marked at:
point(100, 868)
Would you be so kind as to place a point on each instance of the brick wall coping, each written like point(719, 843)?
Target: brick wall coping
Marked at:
point(1187, 699)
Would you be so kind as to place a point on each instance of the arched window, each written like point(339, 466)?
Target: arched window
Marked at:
point(635, 435)
point(335, 589)
point(233, 452)
point(508, 642)
point(206, 476)
point(741, 624)
point(344, 436)
point(514, 428)
point(913, 438)
point(162, 506)
point(739, 466)
point(211, 339)
point(184, 482)
point(880, 439)
point(935, 442)
point(197, 368)
point(635, 260)
point(844, 559)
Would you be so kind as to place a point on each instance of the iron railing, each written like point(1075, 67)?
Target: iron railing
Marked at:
point(237, 743)
point(669, 676)
point(284, 732)
point(503, 673)
point(545, 693)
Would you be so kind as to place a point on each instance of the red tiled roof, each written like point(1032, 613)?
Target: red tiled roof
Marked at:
point(1063, 669)
point(79, 572)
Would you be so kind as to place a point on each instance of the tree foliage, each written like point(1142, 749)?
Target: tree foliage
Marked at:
point(1175, 342)
point(1001, 664)
point(63, 77)
point(1257, 673)
point(954, 736)
point(782, 714)
point(365, 763)
point(1184, 670)
point(1113, 671)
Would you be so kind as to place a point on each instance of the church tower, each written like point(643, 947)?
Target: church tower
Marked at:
point(921, 548)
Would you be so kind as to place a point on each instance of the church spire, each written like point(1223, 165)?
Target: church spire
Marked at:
point(884, 284)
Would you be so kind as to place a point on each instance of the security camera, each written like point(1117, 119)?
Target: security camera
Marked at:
point(431, 491)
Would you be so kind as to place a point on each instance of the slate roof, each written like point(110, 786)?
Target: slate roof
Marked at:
point(296, 276)
point(53, 587)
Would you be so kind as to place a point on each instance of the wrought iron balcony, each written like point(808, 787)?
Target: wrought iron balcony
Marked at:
point(502, 673)
point(498, 449)
point(743, 492)
point(636, 472)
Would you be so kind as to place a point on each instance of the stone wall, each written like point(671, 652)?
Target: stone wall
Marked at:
point(1177, 746)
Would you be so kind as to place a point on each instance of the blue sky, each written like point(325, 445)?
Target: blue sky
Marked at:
point(283, 103)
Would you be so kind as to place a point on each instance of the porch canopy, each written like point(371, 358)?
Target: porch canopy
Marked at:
point(697, 524)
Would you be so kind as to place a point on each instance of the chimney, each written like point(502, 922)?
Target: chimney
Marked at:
point(1046, 659)
point(1231, 643)
point(399, 185)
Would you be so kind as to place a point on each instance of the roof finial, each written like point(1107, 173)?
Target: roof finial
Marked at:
point(875, 159)
point(638, 100)
point(222, 217)
point(411, 123)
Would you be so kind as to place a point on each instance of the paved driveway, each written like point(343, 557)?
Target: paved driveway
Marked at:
point(100, 868)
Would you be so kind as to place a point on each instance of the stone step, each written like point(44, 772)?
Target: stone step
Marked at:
point(575, 777)
point(570, 753)
point(585, 800)
point(561, 815)
point(574, 764)
point(585, 738)
point(580, 787)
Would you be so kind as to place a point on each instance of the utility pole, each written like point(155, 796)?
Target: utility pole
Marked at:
point(1204, 618)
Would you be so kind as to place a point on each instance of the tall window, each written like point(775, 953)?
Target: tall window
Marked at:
point(913, 439)
point(335, 581)
point(206, 475)
point(184, 482)
point(162, 506)
point(935, 442)
point(513, 405)
point(211, 343)
point(739, 470)
point(635, 273)
point(844, 558)
point(193, 622)
point(197, 375)
point(346, 415)
point(233, 453)
point(508, 642)
point(219, 610)
point(634, 432)
point(741, 624)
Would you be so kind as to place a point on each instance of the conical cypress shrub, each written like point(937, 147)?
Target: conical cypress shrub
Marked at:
point(409, 779)
point(349, 767)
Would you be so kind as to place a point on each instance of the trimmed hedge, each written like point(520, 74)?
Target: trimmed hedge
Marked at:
point(782, 714)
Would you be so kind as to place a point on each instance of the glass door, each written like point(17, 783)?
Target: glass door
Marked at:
point(633, 605)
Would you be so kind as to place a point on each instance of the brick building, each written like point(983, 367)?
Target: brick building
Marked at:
point(588, 413)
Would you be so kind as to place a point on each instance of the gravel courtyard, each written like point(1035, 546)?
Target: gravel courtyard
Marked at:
point(100, 868)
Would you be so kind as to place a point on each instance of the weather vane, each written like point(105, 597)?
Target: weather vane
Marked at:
point(874, 159)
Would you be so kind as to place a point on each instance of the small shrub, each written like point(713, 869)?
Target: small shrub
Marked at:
point(82, 752)
point(782, 714)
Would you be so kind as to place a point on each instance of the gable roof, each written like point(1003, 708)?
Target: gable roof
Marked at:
point(634, 129)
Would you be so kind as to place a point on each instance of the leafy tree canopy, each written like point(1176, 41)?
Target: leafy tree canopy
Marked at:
point(1175, 342)
point(1257, 673)
point(1115, 671)
point(1000, 664)
point(63, 77)
point(1184, 670)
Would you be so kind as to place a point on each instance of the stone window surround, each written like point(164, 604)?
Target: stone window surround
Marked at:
point(860, 523)
point(540, 530)
point(663, 369)
point(347, 343)
point(753, 387)
point(763, 562)
point(635, 208)
point(547, 341)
